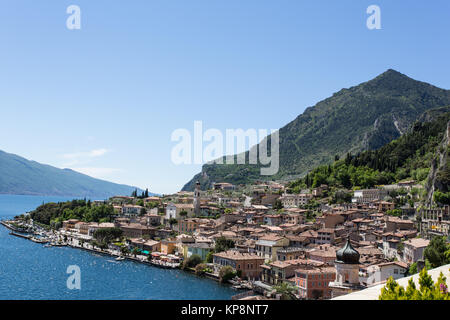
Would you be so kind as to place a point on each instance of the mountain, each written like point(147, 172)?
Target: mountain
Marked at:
point(420, 154)
point(21, 176)
point(363, 117)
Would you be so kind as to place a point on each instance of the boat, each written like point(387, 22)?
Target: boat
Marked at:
point(59, 244)
point(120, 258)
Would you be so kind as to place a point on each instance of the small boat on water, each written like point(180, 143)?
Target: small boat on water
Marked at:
point(59, 244)
point(120, 258)
point(38, 240)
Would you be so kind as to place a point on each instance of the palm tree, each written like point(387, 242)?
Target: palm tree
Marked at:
point(135, 251)
point(124, 250)
point(286, 290)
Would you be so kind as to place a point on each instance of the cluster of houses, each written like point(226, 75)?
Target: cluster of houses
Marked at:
point(346, 247)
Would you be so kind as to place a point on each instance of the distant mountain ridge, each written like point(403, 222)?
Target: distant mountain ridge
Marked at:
point(21, 176)
point(363, 117)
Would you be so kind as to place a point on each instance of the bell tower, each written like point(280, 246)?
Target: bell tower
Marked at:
point(197, 198)
point(347, 271)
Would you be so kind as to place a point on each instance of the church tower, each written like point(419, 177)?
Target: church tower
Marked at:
point(347, 271)
point(197, 198)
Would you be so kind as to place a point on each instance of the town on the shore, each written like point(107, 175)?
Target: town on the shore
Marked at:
point(264, 238)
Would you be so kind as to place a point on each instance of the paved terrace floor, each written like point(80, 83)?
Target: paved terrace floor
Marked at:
point(373, 293)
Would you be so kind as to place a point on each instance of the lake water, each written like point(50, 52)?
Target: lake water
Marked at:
point(30, 271)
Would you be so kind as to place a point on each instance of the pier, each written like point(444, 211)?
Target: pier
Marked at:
point(20, 235)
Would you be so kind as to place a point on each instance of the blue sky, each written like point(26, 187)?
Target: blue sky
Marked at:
point(105, 99)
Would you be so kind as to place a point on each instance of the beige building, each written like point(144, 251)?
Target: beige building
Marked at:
point(295, 200)
point(267, 246)
point(248, 264)
point(368, 195)
point(413, 249)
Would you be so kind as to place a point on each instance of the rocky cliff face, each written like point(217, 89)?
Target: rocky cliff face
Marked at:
point(440, 167)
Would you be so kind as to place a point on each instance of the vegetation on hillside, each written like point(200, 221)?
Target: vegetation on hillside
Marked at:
point(55, 213)
point(408, 157)
point(437, 253)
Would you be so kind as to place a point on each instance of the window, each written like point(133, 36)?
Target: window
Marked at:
point(395, 271)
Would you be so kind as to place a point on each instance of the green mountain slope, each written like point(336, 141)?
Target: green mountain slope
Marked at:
point(360, 118)
point(408, 157)
point(21, 176)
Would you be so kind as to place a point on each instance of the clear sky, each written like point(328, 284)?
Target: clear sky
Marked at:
point(105, 99)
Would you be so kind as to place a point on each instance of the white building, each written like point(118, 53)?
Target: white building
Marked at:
point(381, 272)
point(224, 201)
point(372, 293)
point(174, 210)
point(131, 210)
point(368, 195)
point(171, 211)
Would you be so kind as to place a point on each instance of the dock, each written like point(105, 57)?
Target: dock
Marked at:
point(20, 235)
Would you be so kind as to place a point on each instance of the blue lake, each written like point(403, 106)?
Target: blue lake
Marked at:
point(30, 271)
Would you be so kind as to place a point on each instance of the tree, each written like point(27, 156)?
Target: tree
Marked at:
point(428, 289)
point(192, 261)
point(394, 212)
point(412, 269)
point(223, 244)
point(183, 213)
point(124, 250)
point(400, 248)
point(286, 290)
point(135, 251)
point(106, 235)
point(210, 257)
point(278, 205)
point(226, 273)
point(435, 252)
point(173, 221)
point(201, 268)
point(441, 197)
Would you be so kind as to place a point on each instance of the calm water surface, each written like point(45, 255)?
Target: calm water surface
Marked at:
point(30, 271)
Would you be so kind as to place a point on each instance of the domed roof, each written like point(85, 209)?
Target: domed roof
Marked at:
point(347, 254)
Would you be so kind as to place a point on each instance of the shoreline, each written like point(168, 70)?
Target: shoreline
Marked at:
point(130, 258)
